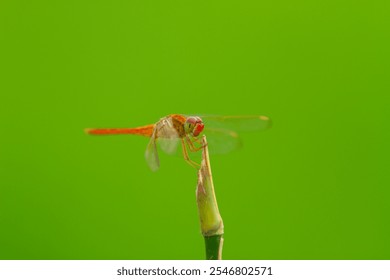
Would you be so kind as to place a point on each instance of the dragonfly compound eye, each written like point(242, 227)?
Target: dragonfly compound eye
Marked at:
point(198, 129)
point(191, 120)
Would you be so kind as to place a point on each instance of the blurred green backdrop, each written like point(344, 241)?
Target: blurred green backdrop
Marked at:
point(315, 186)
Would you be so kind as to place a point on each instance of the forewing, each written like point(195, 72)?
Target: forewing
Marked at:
point(237, 123)
point(167, 137)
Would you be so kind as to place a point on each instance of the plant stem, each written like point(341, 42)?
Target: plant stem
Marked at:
point(214, 246)
point(210, 219)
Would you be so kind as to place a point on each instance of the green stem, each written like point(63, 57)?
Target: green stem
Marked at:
point(214, 246)
point(211, 223)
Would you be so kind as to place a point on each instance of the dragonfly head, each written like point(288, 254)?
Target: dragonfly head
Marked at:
point(194, 126)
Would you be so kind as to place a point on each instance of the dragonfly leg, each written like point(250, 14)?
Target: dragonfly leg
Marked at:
point(187, 158)
point(196, 139)
point(191, 145)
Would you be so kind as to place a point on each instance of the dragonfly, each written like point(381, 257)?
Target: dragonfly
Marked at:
point(173, 129)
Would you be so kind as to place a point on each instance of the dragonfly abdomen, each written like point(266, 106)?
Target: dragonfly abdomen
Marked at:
point(142, 130)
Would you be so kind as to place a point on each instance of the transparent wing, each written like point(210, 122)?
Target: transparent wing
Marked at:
point(221, 131)
point(222, 141)
point(237, 123)
point(167, 137)
point(151, 154)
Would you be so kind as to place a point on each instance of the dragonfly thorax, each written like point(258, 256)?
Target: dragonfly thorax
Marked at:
point(193, 125)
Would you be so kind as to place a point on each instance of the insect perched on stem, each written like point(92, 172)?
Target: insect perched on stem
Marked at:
point(177, 128)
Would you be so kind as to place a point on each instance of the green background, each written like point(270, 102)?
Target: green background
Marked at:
point(315, 186)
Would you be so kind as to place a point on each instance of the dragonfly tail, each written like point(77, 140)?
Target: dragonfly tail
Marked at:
point(143, 130)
